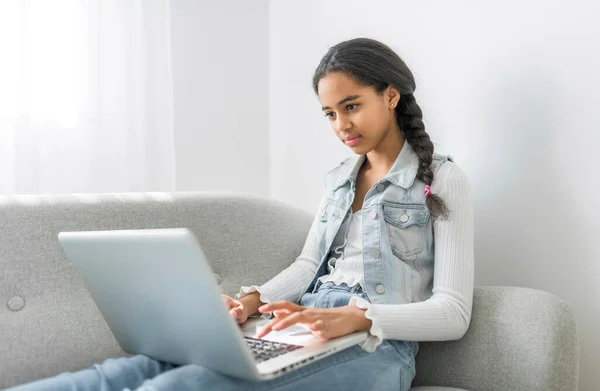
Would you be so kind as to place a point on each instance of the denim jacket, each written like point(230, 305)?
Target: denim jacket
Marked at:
point(397, 229)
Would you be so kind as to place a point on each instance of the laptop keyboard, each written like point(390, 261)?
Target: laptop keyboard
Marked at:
point(264, 350)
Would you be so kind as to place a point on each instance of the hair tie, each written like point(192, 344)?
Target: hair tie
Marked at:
point(427, 191)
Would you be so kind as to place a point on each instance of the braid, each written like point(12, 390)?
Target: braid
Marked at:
point(410, 121)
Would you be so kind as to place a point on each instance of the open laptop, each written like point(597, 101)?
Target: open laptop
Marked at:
point(159, 297)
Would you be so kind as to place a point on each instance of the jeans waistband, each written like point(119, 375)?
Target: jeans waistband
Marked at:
point(320, 286)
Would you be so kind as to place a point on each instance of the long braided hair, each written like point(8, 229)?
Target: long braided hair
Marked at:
point(372, 63)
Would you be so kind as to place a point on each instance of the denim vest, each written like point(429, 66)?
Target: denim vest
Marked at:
point(397, 238)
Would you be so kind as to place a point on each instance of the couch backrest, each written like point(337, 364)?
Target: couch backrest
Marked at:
point(48, 322)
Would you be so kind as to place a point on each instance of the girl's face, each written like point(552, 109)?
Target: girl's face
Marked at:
point(359, 116)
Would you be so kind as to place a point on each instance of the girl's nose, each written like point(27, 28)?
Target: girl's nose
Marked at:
point(343, 124)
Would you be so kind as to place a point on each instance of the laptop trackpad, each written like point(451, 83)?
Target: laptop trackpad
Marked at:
point(297, 335)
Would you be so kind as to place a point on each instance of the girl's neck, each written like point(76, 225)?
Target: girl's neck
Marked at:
point(381, 158)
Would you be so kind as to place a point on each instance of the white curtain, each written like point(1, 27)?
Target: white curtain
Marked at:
point(85, 96)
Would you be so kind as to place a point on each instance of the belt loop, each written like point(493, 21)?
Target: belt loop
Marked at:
point(317, 286)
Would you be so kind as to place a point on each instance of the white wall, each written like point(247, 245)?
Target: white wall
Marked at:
point(509, 89)
point(220, 77)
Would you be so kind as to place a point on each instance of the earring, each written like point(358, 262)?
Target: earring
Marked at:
point(392, 105)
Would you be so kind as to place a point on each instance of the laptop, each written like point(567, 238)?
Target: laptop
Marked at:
point(159, 296)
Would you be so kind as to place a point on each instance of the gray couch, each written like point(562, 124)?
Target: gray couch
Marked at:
point(519, 339)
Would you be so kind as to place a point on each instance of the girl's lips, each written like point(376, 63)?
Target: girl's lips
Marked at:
point(350, 141)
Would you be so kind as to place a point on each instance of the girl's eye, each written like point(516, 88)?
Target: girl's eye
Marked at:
point(330, 115)
point(352, 107)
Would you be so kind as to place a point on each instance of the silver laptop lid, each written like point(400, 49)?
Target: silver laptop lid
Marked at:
point(158, 295)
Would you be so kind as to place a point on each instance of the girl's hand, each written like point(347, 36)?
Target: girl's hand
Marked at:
point(323, 323)
point(236, 309)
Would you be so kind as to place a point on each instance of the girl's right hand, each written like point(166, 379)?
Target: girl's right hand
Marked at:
point(236, 309)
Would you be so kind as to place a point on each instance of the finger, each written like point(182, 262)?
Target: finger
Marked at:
point(267, 328)
point(236, 312)
point(229, 301)
point(279, 313)
point(320, 334)
point(280, 305)
point(290, 320)
point(319, 325)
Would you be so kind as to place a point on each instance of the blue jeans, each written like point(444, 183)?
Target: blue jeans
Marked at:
point(390, 367)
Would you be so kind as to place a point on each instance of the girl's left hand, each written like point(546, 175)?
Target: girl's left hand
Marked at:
point(323, 323)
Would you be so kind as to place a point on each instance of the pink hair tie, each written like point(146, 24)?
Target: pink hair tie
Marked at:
point(427, 191)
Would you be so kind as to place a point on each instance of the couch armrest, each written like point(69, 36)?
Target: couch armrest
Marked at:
point(518, 339)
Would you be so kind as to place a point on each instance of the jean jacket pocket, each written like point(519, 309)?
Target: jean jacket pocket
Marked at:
point(406, 225)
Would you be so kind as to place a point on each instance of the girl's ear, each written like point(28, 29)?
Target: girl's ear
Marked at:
point(392, 96)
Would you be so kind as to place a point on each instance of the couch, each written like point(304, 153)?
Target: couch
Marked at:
point(519, 338)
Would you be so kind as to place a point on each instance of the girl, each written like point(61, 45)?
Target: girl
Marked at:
point(390, 250)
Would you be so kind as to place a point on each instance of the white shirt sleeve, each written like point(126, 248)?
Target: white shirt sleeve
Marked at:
point(447, 313)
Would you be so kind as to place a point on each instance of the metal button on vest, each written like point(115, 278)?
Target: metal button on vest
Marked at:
point(380, 289)
point(375, 253)
point(380, 187)
point(16, 303)
point(404, 218)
